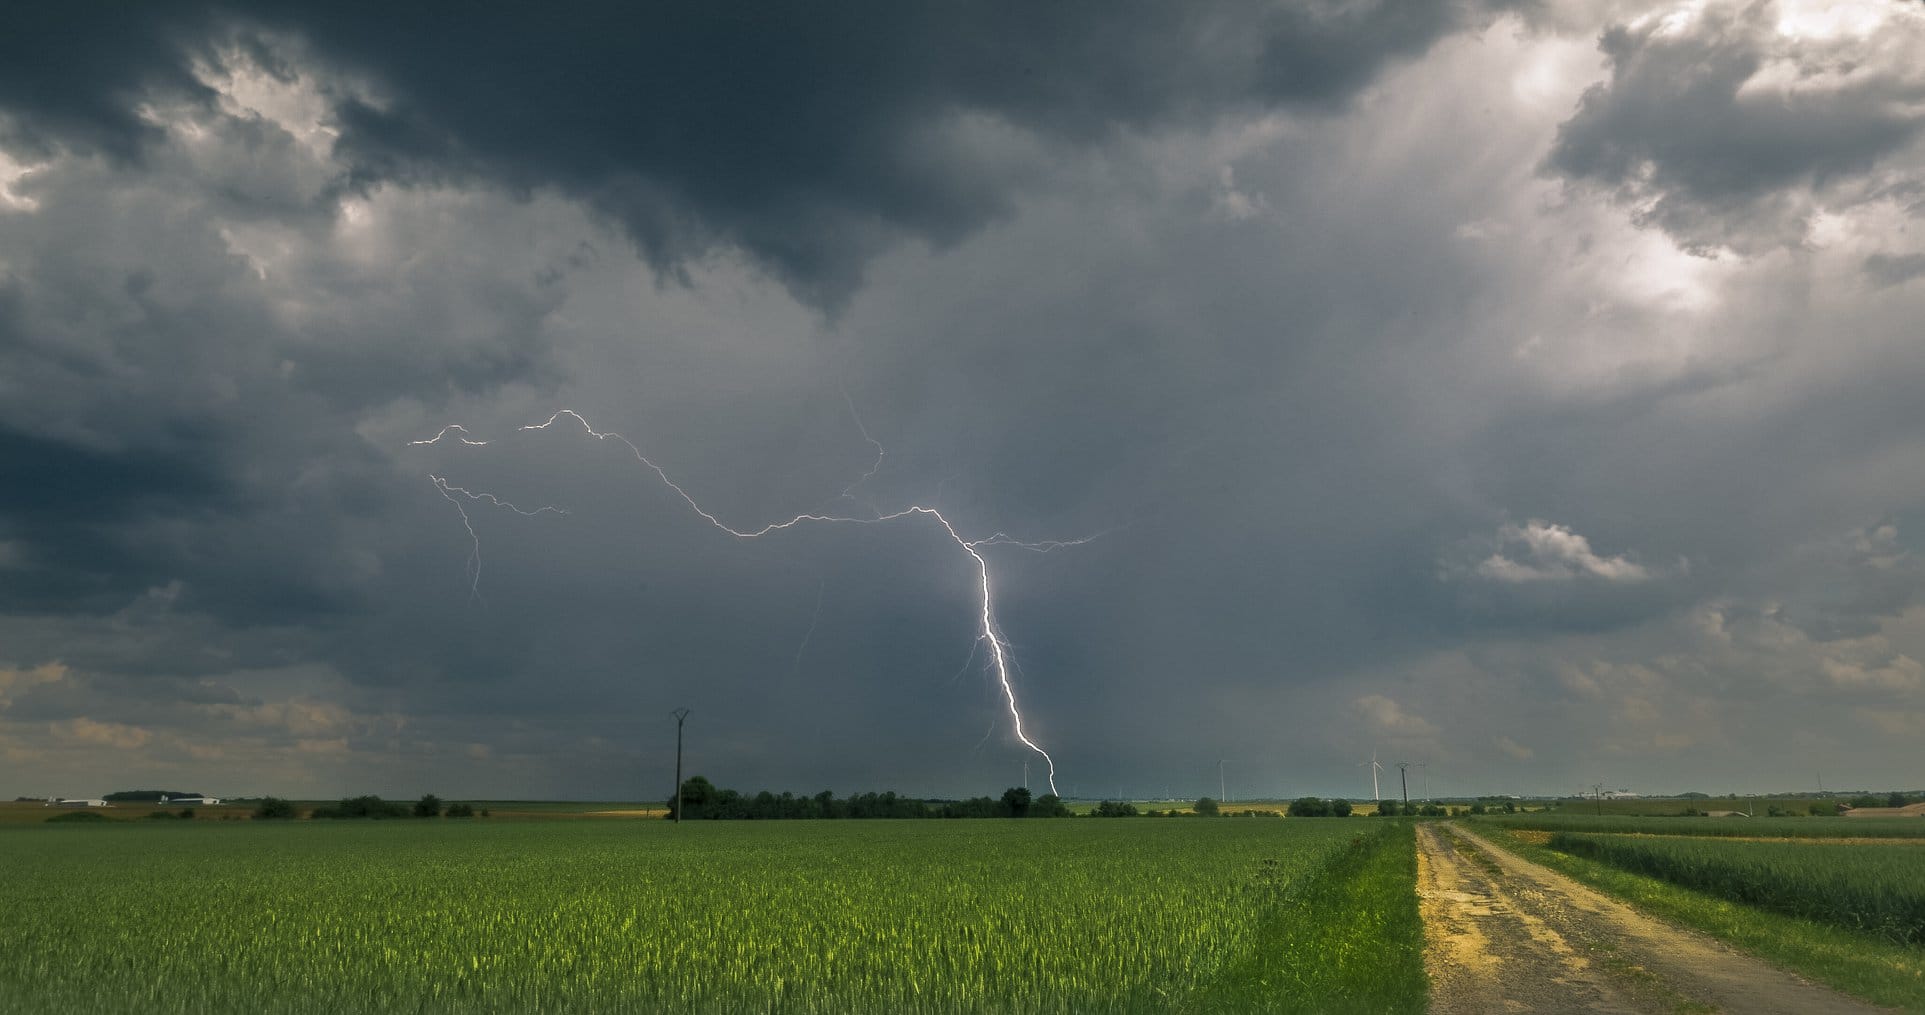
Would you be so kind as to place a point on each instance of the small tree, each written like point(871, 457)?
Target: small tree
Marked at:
point(698, 796)
point(429, 806)
point(273, 808)
point(1049, 805)
point(1115, 809)
point(1207, 807)
point(1309, 807)
point(461, 810)
point(1339, 808)
point(1016, 801)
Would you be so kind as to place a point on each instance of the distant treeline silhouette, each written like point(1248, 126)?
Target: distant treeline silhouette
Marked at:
point(702, 799)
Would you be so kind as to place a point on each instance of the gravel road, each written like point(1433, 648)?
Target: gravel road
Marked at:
point(1502, 934)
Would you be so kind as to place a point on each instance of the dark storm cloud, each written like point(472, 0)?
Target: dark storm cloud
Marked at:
point(74, 74)
point(1714, 124)
point(1889, 270)
point(44, 480)
point(1393, 440)
point(811, 136)
point(814, 137)
point(68, 506)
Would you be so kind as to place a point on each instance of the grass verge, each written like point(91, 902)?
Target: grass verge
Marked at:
point(1350, 939)
point(1858, 964)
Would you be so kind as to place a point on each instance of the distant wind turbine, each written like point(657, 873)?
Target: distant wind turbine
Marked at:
point(1374, 769)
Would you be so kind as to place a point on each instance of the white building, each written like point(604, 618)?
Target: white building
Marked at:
point(76, 802)
point(206, 801)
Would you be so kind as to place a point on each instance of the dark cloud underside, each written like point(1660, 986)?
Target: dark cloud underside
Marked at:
point(811, 136)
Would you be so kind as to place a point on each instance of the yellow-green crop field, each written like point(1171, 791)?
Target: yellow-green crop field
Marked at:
point(1079, 915)
point(1875, 887)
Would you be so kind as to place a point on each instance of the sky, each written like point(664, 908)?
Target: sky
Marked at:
point(1527, 390)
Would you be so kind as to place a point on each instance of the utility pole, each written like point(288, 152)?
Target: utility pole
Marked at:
point(1598, 789)
point(681, 716)
point(1403, 775)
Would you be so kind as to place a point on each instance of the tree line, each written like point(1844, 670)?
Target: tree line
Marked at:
point(701, 799)
point(365, 807)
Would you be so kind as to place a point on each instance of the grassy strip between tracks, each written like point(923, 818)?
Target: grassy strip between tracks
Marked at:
point(1858, 964)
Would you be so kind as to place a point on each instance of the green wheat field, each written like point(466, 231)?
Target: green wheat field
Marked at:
point(873, 916)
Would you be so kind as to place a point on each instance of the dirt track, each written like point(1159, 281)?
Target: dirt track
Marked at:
point(1502, 934)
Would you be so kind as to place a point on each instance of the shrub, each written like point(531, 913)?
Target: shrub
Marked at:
point(362, 807)
point(1115, 809)
point(429, 806)
point(1207, 807)
point(273, 808)
point(461, 811)
point(79, 817)
point(1049, 805)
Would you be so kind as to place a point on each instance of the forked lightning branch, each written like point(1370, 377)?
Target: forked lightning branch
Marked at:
point(987, 631)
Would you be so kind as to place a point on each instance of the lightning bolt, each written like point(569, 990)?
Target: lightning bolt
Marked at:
point(987, 631)
point(455, 430)
point(875, 466)
point(449, 490)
